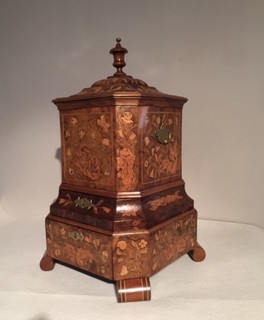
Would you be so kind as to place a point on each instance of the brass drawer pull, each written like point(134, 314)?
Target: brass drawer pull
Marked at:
point(75, 235)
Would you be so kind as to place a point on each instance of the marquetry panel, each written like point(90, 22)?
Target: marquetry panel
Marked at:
point(87, 148)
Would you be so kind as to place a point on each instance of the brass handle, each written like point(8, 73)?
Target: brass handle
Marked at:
point(163, 135)
point(84, 203)
point(75, 235)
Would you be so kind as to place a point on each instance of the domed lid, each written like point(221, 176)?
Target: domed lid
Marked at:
point(120, 81)
point(120, 84)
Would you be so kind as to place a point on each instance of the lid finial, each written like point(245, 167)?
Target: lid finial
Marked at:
point(119, 58)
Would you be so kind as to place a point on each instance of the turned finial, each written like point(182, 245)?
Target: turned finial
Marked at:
point(119, 57)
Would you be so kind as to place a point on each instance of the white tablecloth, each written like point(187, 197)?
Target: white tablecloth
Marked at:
point(229, 284)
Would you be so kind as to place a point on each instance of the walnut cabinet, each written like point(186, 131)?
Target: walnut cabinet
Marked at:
point(122, 212)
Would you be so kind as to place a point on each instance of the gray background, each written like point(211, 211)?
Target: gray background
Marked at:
point(210, 51)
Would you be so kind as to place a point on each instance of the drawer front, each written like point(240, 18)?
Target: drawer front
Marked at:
point(172, 241)
point(85, 249)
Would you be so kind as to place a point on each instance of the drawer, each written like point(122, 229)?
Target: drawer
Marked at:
point(88, 250)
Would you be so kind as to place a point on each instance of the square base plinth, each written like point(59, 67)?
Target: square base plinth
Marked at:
point(129, 257)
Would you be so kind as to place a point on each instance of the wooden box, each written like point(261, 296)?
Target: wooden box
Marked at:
point(122, 212)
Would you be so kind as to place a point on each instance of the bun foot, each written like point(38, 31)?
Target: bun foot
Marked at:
point(133, 290)
point(197, 253)
point(46, 263)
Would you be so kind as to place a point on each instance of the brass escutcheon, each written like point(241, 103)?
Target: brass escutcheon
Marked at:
point(83, 203)
point(75, 235)
point(163, 135)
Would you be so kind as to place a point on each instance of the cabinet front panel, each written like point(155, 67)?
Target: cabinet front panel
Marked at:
point(81, 248)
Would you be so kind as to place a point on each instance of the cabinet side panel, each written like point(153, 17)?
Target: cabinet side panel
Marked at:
point(160, 146)
point(172, 241)
point(87, 147)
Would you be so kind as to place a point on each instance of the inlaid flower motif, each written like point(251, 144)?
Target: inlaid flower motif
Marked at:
point(158, 120)
point(127, 117)
point(131, 212)
point(124, 271)
point(65, 201)
point(120, 133)
point(62, 231)
point(157, 236)
point(103, 124)
point(122, 245)
point(164, 201)
point(57, 250)
point(147, 141)
point(106, 142)
point(96, 243)
point(82, 133)
point(106, 210)
point(104, 254)
point(88, 239)
point(155, 266)
point(74, 121)
point(142, 243)
point(132, 136)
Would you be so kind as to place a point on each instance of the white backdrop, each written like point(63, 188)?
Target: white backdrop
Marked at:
point(210, 51)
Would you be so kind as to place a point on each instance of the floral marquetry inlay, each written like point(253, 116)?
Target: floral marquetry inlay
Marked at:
point(91, 205)
point(161, 138)
point(126, 149)
point(153, 205)
point(84, 249)
point(172, 241)
point(122, 212)
point(88, 148)
point(131, 255)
